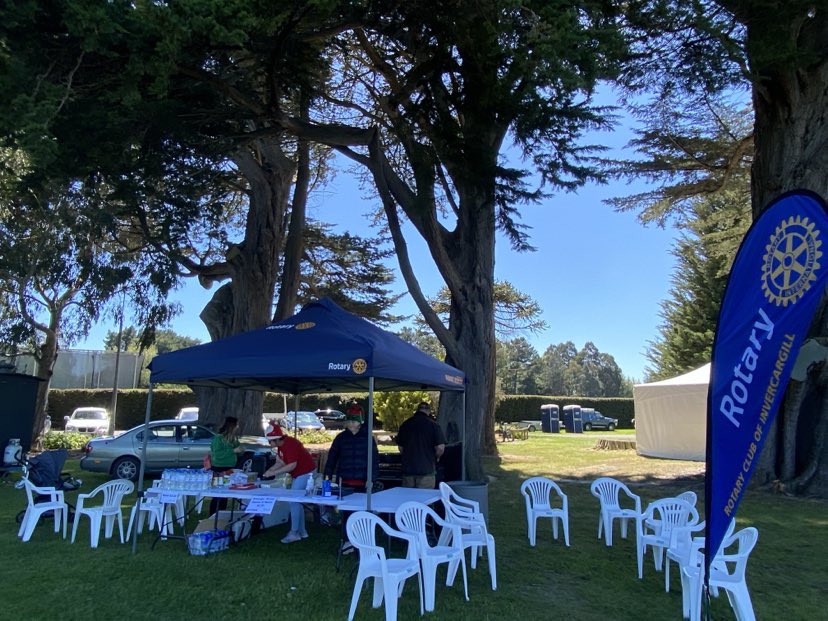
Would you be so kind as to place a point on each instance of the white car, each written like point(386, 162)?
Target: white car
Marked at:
point(88, 420)
point(188, 413)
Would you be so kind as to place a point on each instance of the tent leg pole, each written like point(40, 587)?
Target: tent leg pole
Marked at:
point(141, 468)
point(369, 484)
point(463, 440)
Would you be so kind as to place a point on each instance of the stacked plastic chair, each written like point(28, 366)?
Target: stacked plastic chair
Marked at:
point(412, 518)
point(727, 572)
point(474, 533)
point(389, 574)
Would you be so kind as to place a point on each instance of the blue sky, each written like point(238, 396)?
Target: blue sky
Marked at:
point(598, 275)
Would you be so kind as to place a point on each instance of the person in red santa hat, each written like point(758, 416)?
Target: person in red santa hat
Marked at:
point(295, 459)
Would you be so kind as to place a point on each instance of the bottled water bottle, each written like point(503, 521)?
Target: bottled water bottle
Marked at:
point(309, 485)
point(326, 487)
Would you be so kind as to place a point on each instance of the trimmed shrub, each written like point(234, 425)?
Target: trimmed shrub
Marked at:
point(393, 408)
point(69, 441)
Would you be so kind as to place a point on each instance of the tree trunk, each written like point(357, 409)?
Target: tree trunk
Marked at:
point(47, 354)
point(790, 98)
point(245, 303)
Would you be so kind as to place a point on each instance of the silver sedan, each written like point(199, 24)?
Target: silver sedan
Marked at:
point(171, 444)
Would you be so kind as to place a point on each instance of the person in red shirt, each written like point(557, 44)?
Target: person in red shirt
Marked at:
point(294, 458)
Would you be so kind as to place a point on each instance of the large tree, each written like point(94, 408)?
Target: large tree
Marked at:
point(171, 104)
point(778, 49)
point(439, 88)
point(59, 267)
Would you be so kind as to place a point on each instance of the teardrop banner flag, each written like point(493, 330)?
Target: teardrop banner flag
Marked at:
point(777, 280)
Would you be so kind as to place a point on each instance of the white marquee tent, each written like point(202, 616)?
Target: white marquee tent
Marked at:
point(671, 416)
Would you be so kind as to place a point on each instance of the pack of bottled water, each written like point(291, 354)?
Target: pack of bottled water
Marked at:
point(208, 542)
point(185, 479)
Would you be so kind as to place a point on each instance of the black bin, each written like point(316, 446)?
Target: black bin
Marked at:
point(550, 418)
point(572, 419)
point(18, 394)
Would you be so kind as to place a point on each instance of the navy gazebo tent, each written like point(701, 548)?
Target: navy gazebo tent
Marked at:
point(322, 348)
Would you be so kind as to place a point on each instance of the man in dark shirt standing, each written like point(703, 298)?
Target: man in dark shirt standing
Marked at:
point(421, 443)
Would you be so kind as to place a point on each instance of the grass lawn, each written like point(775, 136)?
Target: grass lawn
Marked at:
point(262, 578)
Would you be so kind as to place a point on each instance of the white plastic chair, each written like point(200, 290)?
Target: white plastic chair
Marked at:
point(113, 493)
point(150, 508)
point(687, 496)
point(727, 571)
point(34, 511)
point(411, 518)
point(669, 513)
point(474, 533)
point(537, 492)
point(389, 574)
point(608, 491)
point(683, 544)
point(180, 507)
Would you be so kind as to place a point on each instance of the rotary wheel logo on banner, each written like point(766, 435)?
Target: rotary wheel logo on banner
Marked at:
point(791, 261)
point(359, 366)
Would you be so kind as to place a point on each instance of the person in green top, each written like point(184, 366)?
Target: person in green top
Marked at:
point(224, 451)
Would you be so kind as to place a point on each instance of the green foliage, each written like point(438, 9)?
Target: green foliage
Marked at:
point(588, 372)
point(314, 437)
point(704, 255)
point(511, 409)
point(392, 408)
point(61, 440)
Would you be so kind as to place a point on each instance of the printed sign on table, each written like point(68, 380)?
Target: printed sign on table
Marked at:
point(260, 505)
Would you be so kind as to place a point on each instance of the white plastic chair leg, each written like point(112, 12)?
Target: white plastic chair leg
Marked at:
point(95, 529)
point(29, 529)
point(360, 580)
point(390, 593)
point(24, 523)
point(490, 552)
point(379, 593)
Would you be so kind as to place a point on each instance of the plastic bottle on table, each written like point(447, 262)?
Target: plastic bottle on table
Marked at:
point(326, 487)
point(309, 485)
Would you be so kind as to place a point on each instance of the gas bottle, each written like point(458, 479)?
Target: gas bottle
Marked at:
point(13, 452)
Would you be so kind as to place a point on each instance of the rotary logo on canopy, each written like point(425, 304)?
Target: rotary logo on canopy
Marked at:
point(359, 366)
point(305, 325)
point(791, 261)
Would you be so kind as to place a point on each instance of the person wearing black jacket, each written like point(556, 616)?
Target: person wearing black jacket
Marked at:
point(348, 455)
point(348, 460)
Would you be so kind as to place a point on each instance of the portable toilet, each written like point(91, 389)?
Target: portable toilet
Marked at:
point(550, 418)
point(572, 419)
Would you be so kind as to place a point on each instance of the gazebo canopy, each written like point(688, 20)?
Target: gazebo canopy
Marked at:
point(322, 348)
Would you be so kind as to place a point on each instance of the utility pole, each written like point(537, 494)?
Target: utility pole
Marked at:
point(114, 404)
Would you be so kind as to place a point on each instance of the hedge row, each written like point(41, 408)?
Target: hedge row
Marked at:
point(132, 404)
point(515, 408)
point(166, 402)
